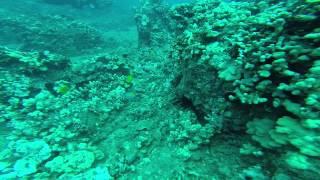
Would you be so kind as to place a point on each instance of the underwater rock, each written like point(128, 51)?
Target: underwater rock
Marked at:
point(24, 167)
point(73, 162)
point(264, 61)
point(37, 150)
point(152, 23)
point(60, 34)
point(32, 62)
point(32, 153)
point(98, 173)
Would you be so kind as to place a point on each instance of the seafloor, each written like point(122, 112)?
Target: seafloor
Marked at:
point(210, 89)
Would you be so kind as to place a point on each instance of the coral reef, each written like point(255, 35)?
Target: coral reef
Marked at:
point(53, 33)
point(266, 64)
point(215, 90)
point(52, 106)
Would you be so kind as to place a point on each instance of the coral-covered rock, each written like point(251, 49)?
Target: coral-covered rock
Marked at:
point(74, 162)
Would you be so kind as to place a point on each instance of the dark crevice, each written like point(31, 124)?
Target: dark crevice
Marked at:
point(186, 103)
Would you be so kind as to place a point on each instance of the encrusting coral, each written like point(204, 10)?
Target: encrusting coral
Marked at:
point(266, 58)
point(215, 90)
